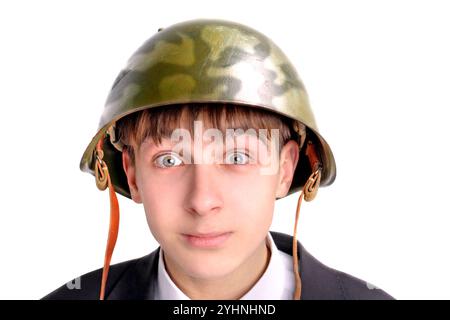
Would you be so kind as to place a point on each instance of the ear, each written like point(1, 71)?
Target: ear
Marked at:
point(130, 171)
point(288, 162)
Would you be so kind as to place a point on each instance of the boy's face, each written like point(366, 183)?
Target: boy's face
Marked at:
point(182, 201)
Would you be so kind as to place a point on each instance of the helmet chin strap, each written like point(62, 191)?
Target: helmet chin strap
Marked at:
point(103, 181)
point(308, 192)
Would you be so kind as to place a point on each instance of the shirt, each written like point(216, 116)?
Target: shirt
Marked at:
point(276, 283)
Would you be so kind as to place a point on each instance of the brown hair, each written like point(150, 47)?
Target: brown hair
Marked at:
point(159, 122)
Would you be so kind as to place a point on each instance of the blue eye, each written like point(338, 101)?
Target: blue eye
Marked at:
point(236, 158)
point(167, 160)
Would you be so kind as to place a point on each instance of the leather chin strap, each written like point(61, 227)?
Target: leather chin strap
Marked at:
point(103, 181)
point(308, 192)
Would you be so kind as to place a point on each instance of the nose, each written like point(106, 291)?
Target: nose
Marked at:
point(204, 196)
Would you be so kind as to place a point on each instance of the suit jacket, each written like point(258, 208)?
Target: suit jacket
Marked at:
point(136, 279)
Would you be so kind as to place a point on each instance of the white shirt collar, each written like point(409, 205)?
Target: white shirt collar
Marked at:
point(277, 282)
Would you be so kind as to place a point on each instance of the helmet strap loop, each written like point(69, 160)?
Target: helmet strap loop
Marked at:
point(101, 171)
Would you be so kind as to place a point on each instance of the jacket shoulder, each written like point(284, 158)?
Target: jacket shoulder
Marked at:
point(320, 282)
point(323, 282)
point(356, 289)
point(87, 286)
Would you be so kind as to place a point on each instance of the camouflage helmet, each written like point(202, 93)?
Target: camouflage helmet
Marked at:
point(208, 61)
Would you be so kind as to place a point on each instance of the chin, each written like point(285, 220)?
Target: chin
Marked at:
point(209, 268)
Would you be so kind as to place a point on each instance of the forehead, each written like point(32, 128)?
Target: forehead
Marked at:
point(232, 136)
point(209, 135)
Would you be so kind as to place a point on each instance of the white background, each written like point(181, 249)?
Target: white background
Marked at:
point(378, 77)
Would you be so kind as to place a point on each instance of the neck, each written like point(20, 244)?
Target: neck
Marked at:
point(229, 287)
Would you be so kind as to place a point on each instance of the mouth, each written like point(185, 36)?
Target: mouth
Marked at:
point(207, 240)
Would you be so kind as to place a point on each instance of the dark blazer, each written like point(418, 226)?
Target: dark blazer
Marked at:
point(136, 279)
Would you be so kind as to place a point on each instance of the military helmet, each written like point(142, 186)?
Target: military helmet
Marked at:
point(208, 61)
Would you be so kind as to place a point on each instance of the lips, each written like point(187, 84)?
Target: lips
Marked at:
point(207, 240)
point(207, 235)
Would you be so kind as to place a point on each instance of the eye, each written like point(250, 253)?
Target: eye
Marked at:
point(236, 158)
point(167, 160)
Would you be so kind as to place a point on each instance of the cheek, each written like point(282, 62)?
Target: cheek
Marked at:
point(256, 184)
point(161, 201)
point(253, 197)
point(157, 189)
